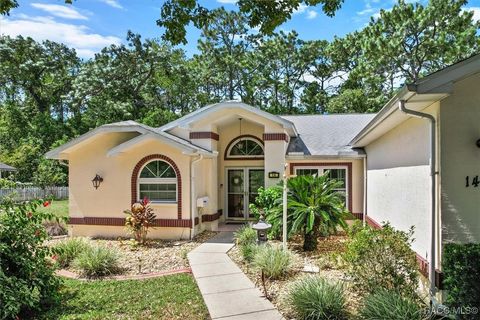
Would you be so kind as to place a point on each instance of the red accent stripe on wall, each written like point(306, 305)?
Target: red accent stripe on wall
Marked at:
point(358, 215)
point(210, 217)
point(136, 172)
point(326, 164)
point(275, 137)
point(105, 221)
point(204, 135)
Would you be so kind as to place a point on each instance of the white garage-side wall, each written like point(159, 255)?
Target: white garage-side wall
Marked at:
point(398, 180)
point(460, 122)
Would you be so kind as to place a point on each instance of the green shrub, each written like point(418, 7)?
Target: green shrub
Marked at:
point(461, 269)
point(245, 235)
point(270, 201)
point(248, 251)
point(382, 259)
point(27, 280)
point(68, 250)
point(273, 261)
point(315, 298)
point(97, 261)
point(390, 305)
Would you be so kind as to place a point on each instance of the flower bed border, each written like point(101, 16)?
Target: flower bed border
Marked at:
point(72, 275)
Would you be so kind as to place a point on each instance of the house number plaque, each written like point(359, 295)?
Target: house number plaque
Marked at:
point(472, 181)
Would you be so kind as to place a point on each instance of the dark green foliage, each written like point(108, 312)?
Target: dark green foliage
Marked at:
point(269, 201)
point(27, 280)
point(314, 205)
point(382, 259)
point(461, 268)
point(391, 305)
point(315, 298)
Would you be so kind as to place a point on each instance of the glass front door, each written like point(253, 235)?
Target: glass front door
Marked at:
point(242, 189)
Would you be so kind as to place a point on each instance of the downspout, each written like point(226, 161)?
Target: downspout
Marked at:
point(364, 216)
point(193, 201)
point(433, 165)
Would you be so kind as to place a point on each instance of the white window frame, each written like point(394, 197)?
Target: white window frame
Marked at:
point(321, 170)
point(157, 181)
point(234, 143)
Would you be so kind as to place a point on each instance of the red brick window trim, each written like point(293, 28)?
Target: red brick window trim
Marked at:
point(136, 172)
point(204, 135)
point(275, 137)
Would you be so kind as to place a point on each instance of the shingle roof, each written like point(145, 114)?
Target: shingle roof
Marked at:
point(6, 167)
point(327, 135)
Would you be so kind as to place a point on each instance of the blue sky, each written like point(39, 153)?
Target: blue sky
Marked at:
point(89, 25)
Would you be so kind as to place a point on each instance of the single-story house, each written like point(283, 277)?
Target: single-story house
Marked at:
point(6, 170)
point(416, 162)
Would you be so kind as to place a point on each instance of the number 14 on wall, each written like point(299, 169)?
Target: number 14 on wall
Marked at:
point(472, 181)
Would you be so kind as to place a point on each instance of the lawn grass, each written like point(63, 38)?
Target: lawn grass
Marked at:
point(168, 297)
point(57, 207)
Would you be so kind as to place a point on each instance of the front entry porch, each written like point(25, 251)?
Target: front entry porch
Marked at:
point(242, 189)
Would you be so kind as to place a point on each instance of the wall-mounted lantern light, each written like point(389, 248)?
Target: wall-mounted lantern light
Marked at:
point(96, 181)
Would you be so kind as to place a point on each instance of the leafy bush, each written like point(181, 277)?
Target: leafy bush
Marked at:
point(27, 280)
point(246, 238)
point(270, 201)
point(273, 261)
point(97, 261)
point(461, 268)
point(391, 305)
point(68, 250)
point(139, 219)
point(315, 298)
point(382, 259)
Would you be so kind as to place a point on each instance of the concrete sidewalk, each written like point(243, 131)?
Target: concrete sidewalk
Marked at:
point(226, 290)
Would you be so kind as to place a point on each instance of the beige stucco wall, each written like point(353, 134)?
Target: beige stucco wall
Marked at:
point(460, 157)
point(114, 194)
point(398, 179)
point(357, 177)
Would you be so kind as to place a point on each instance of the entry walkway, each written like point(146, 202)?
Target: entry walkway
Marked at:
point(226, 290)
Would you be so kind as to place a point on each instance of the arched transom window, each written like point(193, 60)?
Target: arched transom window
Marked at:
point(245, 147)
point(158, 182)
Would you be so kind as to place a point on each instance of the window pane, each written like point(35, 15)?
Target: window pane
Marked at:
point(247, 148)
point(339, 175)
point(158, 169)
point(306, 172)
point(158, 192)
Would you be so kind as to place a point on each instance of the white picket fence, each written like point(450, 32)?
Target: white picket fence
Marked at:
point(30, 193)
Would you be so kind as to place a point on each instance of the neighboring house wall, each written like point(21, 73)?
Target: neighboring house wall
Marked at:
point(398, 179)
point(460, 157)
point(356, 165)
point(114, 194)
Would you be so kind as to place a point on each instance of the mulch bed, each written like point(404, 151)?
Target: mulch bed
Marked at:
point(157, 256)
point(324, 258)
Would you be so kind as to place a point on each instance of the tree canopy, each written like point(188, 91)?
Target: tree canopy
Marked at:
point(49, 95)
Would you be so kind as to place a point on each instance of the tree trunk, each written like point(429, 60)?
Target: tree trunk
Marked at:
point(310, 239)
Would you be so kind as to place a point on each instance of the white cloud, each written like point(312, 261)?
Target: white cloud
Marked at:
point(113, 3)
point(365, 11)
point(61, 11)
point(312, 14)
point(227, 1)
point(301, 9)
point(476, 13)
point(47, 28)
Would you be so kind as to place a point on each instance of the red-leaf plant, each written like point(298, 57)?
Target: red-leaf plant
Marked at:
point(139, 218)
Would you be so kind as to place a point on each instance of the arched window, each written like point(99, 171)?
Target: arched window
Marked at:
point(245, 147)
point(158, 182)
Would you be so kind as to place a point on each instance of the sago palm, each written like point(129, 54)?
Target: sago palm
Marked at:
point(314, 202)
